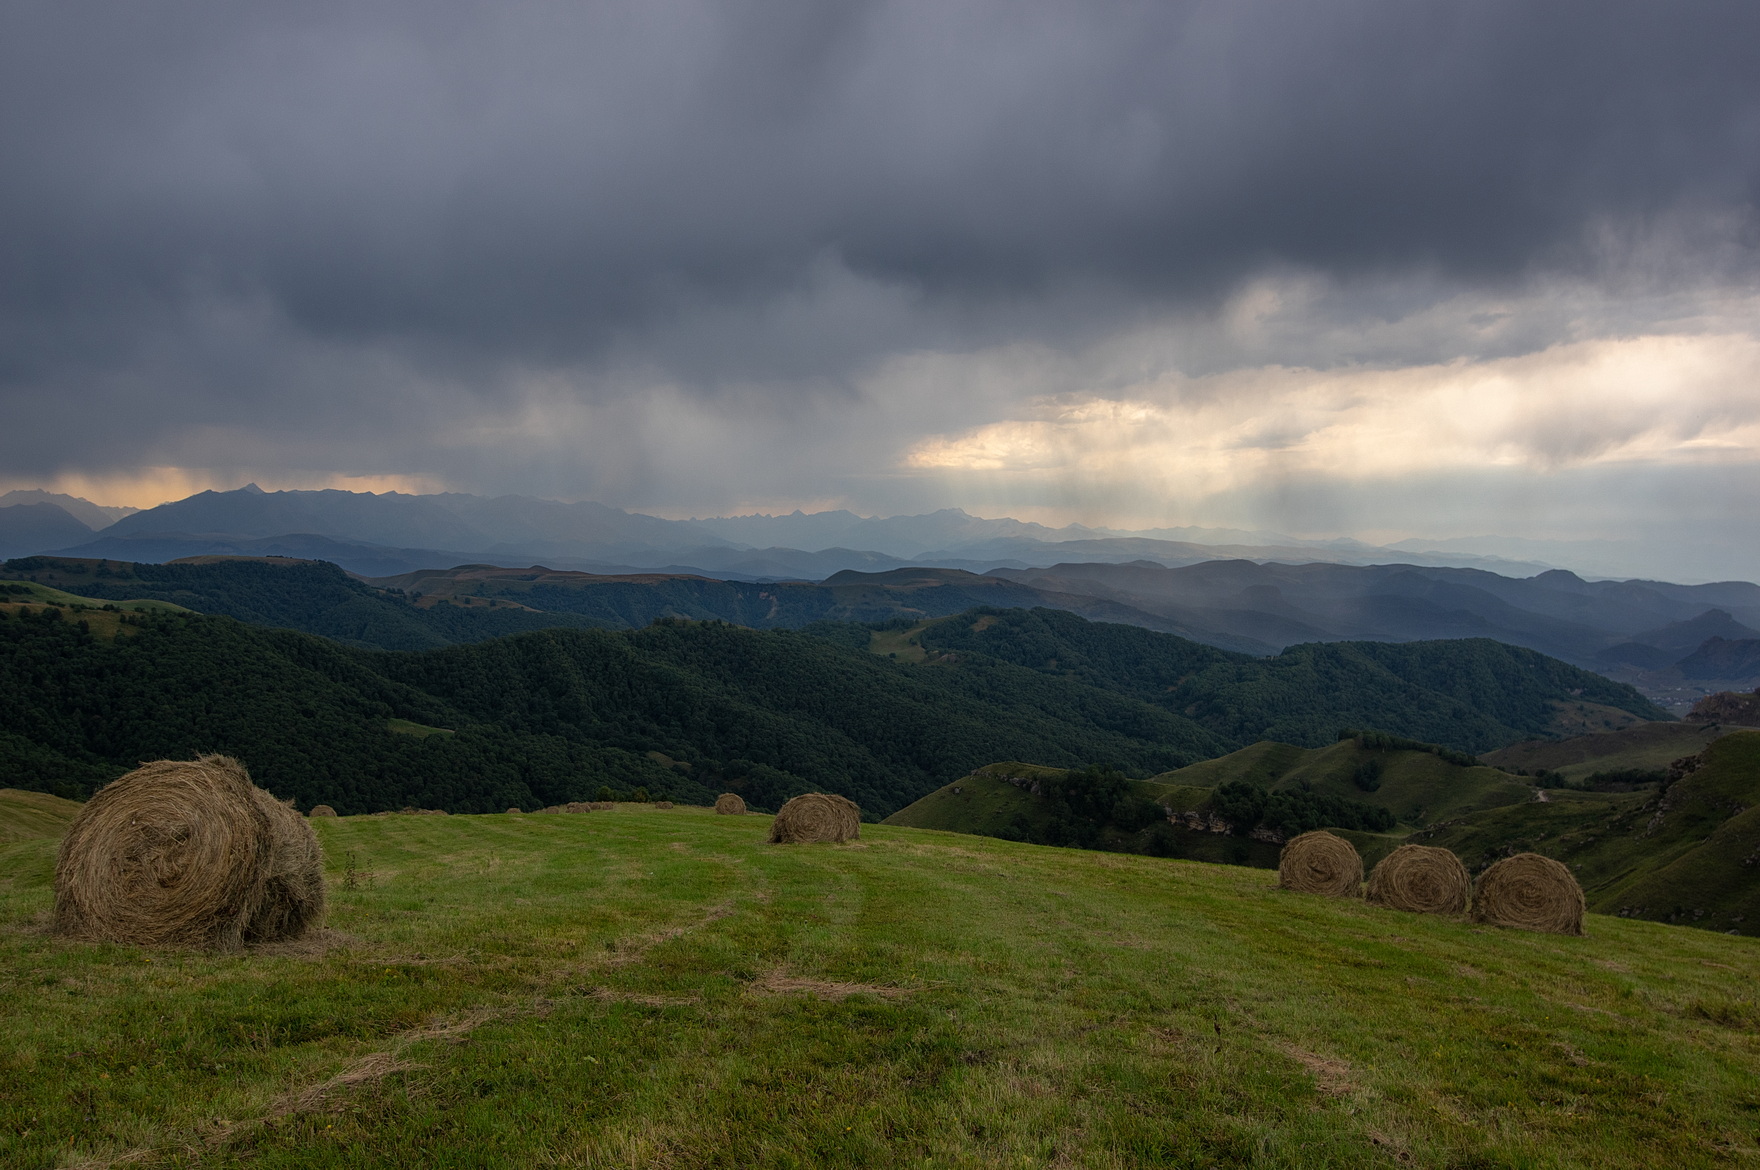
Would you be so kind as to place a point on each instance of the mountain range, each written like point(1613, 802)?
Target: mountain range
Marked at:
point(1212, 585)
point(386, 533)
point(1675, 643)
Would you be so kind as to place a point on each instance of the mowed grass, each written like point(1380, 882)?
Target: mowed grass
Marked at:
point(662, 988)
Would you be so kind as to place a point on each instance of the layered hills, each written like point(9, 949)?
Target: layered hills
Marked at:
point(1250, 592)
point(1657, 820)
point(392, 532)
point(690, 707)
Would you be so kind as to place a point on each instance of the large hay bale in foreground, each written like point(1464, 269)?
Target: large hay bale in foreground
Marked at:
point(1421, 878)
point(1530, 892)
point(852, 815)
point(321, 810)
point(188, 853)
point(1320, 863)
point(730, 804)
point(813, 817)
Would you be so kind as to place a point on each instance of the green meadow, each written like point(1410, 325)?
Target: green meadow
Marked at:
point(645, 987)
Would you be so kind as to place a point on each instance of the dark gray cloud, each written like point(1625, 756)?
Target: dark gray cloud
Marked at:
point(347, 236)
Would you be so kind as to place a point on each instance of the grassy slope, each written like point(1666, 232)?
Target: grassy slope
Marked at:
point(987, 805)
point(1691, 855)
point(43, 593)
point(644, 988)
point(25, 815)
point(1417, 787)
point(103, 622)
point(1645, 745)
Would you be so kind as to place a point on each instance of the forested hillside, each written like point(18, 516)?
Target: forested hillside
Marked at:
point(682, 709)
point(1473, 694)
point(689, 708)
point(313, 596)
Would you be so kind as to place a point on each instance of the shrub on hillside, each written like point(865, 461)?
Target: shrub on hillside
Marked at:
point(1368, 775)
point(1295, 810)
point(1381, 741)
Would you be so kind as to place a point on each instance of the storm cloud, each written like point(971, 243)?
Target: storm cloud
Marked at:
point(699, 256)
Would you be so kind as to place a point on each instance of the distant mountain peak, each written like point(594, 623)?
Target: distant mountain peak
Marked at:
point(93, 516)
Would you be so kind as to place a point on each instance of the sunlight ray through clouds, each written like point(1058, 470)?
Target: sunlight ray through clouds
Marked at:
point(1655, 399)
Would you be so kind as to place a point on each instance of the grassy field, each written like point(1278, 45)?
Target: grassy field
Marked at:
point(660, 988)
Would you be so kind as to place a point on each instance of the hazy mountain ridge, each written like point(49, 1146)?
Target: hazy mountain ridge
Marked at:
point(93, 516)
point(1633, 630)
point(1236, 605)
point(1254, 598)
point(28, 528)
point(393, 531)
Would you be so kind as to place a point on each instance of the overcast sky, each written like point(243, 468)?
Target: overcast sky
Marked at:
point(1388, 269)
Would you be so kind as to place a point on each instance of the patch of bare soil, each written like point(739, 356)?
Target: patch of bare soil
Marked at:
point(776, 983)
point(608, 995)
point(1333, 1076)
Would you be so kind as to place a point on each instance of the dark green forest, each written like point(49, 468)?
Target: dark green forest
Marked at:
point(312, 596)
point(687, 709)
point(1472, 694)
point(541, 718)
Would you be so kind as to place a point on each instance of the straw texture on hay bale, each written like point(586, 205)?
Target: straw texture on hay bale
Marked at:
point(662, 804)
point(188, 853)
point(602, 805)
point(321, 810)
point(1531, 892)
point(813, 817)
point(1320, 863)
point(852, 815)
point(730, 804)
point(516, 810)
point(577, 806)
point(1421, 878)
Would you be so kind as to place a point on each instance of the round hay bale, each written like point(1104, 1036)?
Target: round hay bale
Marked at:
point(1320, 863)
point(1530, 892)
point(578, 806)
point(810, 818)
point(1420, 878)
point(662, 804)
point(852, 816)
point(321, 810)
point(602, 805)
point(188, 853)
point(516, 810)
point(730, 804)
